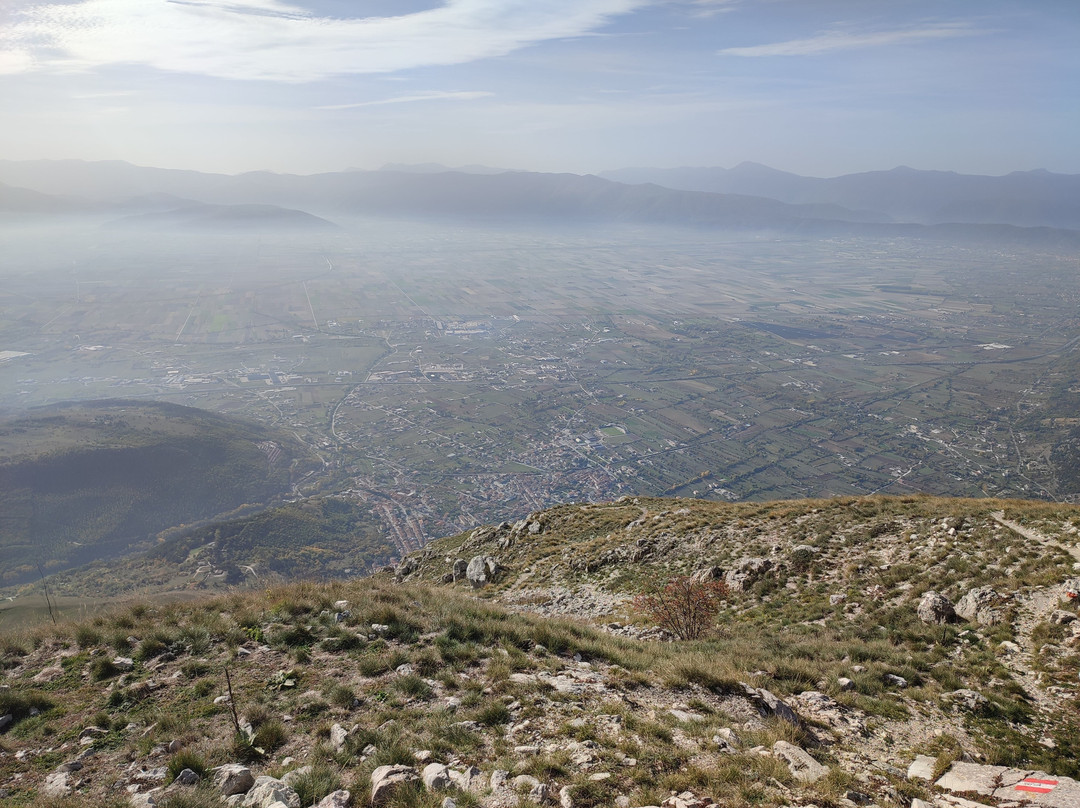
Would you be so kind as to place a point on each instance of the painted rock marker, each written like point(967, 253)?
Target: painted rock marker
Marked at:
point(1036, 786)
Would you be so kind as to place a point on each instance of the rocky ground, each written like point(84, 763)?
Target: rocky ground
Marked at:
point(866, 653)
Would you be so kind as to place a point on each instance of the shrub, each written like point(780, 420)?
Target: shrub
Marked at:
point(494, 714)
point(685, 607)
point(316, 783)
point(185, 759)
point(87, 636)
point(20, 704)
point(342, 696)
point(104, 668)
point(271, 735)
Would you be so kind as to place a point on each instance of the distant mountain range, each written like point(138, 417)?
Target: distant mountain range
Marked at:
point(905, 202)
point(1022, 198)
point(197, 216)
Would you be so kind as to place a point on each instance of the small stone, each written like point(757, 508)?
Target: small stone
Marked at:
point(335, 799)
point(845, 684)
point(123, 663)
point(389, 780)
point(935, 608)
point(967, 699)
point(803, 767)
point(338, 736)
point(144, 800)
point(922, 768)
point(290, 778)
point(56, 786)
point(267, 791)
point(895, 681)
point(233, 778)
point(187, 778)
point(436, 777)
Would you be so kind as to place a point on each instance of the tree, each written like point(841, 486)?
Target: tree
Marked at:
point(686, 607)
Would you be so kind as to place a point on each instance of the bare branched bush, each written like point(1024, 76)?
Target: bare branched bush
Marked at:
point(685, 607)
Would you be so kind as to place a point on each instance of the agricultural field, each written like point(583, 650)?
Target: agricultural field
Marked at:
point(448, 376)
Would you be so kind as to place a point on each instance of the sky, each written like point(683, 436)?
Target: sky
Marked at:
point(817, 87)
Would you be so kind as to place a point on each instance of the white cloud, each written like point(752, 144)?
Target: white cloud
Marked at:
point(464, 95)
point(710, 8)
point(271, 40)
point(847, 40)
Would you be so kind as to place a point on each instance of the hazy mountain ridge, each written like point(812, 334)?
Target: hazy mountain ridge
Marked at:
point(822, 681)
point(1022, 198)
point(865, 209)
point(94, 480)
point(197, 216)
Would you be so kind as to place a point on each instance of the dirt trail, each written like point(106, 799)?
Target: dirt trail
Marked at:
point(1032, 610)
point(1034, 535)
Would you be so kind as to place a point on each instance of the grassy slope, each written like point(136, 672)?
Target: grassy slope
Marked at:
point(517, 677)
point(91, 481)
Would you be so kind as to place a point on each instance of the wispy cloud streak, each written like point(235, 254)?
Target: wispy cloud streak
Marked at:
point(276, 41)
point(465, 95)
point(848, 40)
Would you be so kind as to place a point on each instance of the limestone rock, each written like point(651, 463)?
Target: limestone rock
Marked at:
point(387, 780)
point(471, 779)
point(436, 777)
point(147, 799)
point(481, 571)
point(338, 735)
point(706, 574)
point(772, 704)
point(1060, 617)
point(967, 699)
point(335, 799)
point(290, 778)
point(56, 786)
point(406, 568)
point(268, 790)
point(461, 566)
point(746, 572)
point(1071, 588)
point(922, 768)
point(936, 608)
point(233, 778)
point(187, 778)
point(979, 606)
point(803, 767)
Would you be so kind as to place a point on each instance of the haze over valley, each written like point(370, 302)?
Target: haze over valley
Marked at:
point(494, 344)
